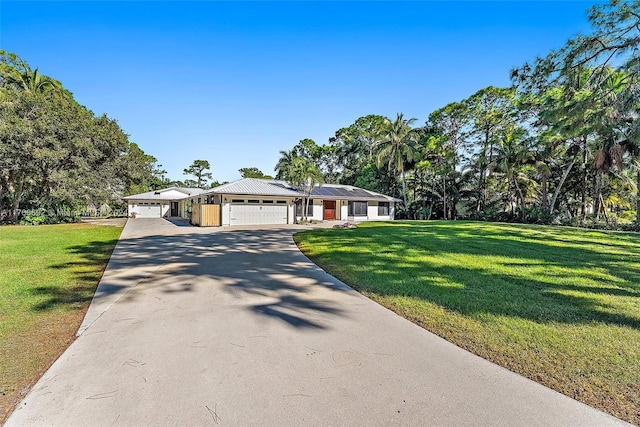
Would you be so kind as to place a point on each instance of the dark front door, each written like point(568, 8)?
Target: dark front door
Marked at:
point(329, 209)
point(174, 208)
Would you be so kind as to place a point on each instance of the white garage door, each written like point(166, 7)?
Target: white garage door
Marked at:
point(257, 214)
point(149, 211)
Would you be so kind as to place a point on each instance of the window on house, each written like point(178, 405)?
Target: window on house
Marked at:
point(357, 208)
point(237, 200)
point(281, 202)
point(253, 201)
point(267, 201)
point(299, 208)
point(383, 208)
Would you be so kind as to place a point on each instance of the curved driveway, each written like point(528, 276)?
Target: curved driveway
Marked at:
point(201, 326)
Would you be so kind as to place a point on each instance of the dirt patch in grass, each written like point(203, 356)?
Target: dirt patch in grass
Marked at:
point(41, 345)
point(116, 222)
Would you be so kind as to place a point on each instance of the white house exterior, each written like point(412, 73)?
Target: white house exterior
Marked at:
point(252, 201)
point(347, 203)
point(255, 202)
point(168, 202)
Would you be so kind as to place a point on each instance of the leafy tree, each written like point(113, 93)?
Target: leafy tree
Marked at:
point(253, 173)
point(198, 169)
point(448, 152)
point(355, 146)
point(328, 163)
point(140, 171)
point(492, 110)
point(54, 153)
point(376, 179)
point(308, 149)
point(436, 171)
point(453, 121)
point(598, 74)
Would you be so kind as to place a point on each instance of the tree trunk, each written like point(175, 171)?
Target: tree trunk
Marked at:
point(604, 208)
point(3, 211)
point(545, 195)
point(583, 198)
point(444, 197)
point(638, 196)
point(480, 180)
point(559, 187)
point(523, 215)
point(488, 158)
point(404, 190)
point(305, 208)
point(598, 194)
point(454, 211)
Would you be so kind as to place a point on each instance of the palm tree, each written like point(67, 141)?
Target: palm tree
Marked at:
point(33, 81)
point(398, 144)
point(16, 73)
point(304, 174)
point(283, 167)
point(512, 154)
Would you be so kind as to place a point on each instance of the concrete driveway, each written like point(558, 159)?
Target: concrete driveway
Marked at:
point(194, 326)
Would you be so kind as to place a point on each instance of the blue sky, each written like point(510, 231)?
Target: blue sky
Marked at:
point(236, 82)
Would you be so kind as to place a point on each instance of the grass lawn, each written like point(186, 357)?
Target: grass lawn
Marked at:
point(558, 305)
point(48, 275)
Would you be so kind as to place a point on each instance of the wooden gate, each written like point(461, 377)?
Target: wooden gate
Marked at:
point(205, 215)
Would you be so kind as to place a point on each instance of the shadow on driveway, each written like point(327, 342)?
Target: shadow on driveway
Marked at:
point(260, 263)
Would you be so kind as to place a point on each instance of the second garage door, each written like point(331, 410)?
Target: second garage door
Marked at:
point(149, 211)
point(257, 214)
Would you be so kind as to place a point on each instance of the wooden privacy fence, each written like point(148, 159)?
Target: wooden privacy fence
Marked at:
point(205, 215)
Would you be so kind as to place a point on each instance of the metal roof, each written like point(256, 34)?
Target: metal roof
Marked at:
point(268, 187)
point(161, 194)
point(260, 187)
point(191, 191)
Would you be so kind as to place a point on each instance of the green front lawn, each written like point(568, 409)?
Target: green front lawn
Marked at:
point(558, 305)
point(48, 275)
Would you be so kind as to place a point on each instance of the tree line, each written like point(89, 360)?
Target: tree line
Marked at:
point(561, 144)
point(58, 159)
point(56, 156)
